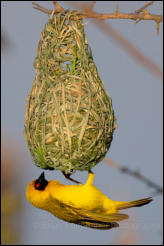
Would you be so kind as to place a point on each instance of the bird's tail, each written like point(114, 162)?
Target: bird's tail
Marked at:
point(136, 203)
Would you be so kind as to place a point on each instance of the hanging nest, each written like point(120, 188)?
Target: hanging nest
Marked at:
point(69, 120)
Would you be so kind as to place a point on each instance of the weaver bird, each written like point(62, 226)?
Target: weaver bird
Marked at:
point(80, 204)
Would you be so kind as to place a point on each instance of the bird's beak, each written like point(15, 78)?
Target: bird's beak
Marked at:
point(41, 182)
point(41, 178)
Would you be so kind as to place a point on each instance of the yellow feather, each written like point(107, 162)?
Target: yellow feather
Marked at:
point(80, 204)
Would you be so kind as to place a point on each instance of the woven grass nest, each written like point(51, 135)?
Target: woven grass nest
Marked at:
point(69, 119)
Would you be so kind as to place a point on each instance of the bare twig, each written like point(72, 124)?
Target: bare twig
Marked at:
point(136, 174)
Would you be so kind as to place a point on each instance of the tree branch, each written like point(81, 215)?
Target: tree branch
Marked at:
point(138, 15)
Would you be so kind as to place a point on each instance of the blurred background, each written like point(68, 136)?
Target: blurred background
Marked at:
point(137, 96)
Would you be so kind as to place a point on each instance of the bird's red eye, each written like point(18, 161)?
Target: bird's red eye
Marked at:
point(37, 185)
point(41, 182)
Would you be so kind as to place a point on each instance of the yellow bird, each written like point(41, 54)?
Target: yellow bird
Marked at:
point(80, 204)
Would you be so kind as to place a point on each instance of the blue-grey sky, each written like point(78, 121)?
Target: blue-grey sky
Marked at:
point(137, 97)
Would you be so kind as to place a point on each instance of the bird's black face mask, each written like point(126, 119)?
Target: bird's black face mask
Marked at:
point(41, 182)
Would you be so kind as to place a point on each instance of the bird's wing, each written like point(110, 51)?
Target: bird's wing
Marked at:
point(101, 215)
point(91, 218)
point(99, 220)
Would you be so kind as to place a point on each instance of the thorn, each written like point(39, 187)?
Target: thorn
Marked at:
point(90, 8)
point(58, 7)
point(137, 20)
point(144, 7)
point(117, 7)
point(145, 12)
point(157, 25)
point(85, 23)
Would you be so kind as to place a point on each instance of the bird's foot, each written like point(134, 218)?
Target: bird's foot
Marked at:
point(67, 176)
point(90, 178)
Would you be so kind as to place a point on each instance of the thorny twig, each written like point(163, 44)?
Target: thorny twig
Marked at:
point(138, 15)
point(143, 10)
point(136, 174)
point(129, 47)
